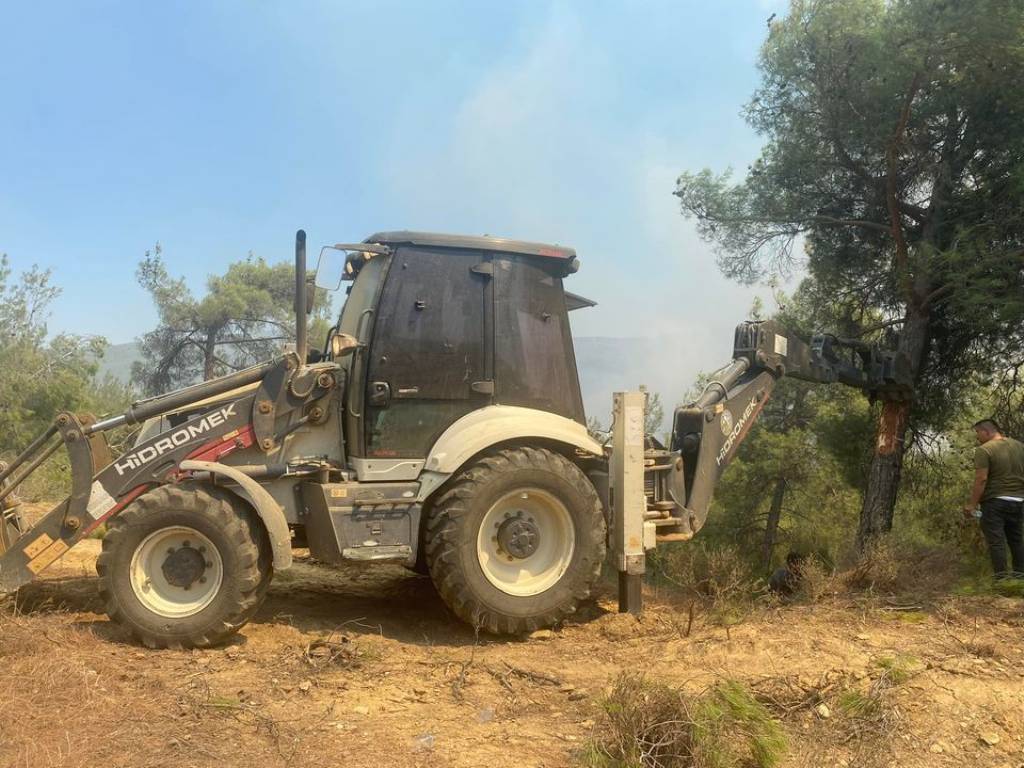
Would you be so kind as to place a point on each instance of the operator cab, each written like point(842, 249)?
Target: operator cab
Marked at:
point(443, 325)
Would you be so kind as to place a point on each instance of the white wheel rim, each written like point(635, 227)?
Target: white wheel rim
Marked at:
point(150, 582)
point(555, 543)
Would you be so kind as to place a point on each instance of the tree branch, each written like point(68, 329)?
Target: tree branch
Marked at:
point(830, 221)
point(881, 326)
point(916, 212)
point(936, 294)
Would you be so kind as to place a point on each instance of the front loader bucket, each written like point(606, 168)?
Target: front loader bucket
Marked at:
point(11, 528)
point(101, 486)
point(11, 524)
point(20, 558)
point(98, 494)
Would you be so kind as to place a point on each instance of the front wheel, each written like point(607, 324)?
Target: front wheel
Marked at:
point(517, 540)
point(184, 566)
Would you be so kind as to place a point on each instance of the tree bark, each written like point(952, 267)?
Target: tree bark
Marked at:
point(209, 355)
point(884, 476)
point(890, 442)
point(771, 529)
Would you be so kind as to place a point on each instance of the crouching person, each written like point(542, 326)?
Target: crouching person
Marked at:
point(786, 581)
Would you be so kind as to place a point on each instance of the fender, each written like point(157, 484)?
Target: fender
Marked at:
point(479, 430)
point(268, 510)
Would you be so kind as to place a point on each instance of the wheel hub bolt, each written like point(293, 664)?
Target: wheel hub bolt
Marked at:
point(184, 566)
point(518, 538)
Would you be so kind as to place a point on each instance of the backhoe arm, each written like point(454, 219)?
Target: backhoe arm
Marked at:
point(663, 495)
point(707, 433)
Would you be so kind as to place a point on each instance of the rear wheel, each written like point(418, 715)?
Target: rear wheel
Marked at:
point(517, 540)
point(184, 566)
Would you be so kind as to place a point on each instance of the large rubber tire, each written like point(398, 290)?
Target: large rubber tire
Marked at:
point(217, 517)
point(453, 535)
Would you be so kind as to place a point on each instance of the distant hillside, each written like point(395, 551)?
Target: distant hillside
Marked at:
point(605, 364)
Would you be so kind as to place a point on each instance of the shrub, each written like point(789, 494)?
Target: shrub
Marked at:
point(716, 578)
point(653, 725)
point(894, 567)
point(816, 581)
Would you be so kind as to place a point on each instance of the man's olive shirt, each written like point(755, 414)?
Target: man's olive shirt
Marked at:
point(1004, 460)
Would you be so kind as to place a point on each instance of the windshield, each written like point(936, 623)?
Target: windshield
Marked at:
point(355, 314)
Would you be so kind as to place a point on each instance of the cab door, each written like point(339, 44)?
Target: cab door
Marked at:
point(427, 355)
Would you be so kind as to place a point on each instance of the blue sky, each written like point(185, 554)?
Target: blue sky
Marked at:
point(219, 128)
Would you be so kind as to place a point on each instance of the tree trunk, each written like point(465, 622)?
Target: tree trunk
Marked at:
point(884, 475)
point(890, 443)
point(771, 530)
point(209, 358)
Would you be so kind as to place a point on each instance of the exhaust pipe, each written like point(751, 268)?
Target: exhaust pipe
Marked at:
point(301, 341)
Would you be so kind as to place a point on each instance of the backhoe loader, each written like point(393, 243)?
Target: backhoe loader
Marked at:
point(440, 426)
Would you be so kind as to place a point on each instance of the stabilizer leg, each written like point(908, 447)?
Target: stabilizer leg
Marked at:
point(630, 501)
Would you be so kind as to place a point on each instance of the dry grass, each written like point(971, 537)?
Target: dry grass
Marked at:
point(716, 582)
point(816, 581)
point(59, 689)
point(892, 568)
point(653, 725)
point(71, 699)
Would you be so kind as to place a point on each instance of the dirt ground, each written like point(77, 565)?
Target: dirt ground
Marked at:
point(367, 668)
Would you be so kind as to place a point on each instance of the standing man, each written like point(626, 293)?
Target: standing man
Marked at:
point(999, 487)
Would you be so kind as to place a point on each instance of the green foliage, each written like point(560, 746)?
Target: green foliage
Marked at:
point(729, 713)
point(817, 441)
point(654, 416)
point(898, 669)
point(868, 108)
point(1009, 587)
point(869, 709)
point(245, 317)
point(859, 705)
point(649, 724)
point(797, 463)
point(973, 586)
point(894, 154)
point(39, 374)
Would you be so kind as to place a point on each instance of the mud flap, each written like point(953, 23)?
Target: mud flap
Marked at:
point(266, 507)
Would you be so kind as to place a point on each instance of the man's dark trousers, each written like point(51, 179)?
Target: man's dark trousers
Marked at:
point(1002, 522)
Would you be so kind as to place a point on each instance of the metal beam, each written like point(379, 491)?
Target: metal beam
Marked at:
point(629, 502)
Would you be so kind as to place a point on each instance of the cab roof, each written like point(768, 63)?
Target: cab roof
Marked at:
point(484, 243)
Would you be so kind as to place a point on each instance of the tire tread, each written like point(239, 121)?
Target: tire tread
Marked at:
point(239, 526)
point(442, 532)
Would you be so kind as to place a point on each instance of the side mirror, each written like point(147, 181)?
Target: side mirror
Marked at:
point(342, 261)
point(342, 344)
point(330, 268)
